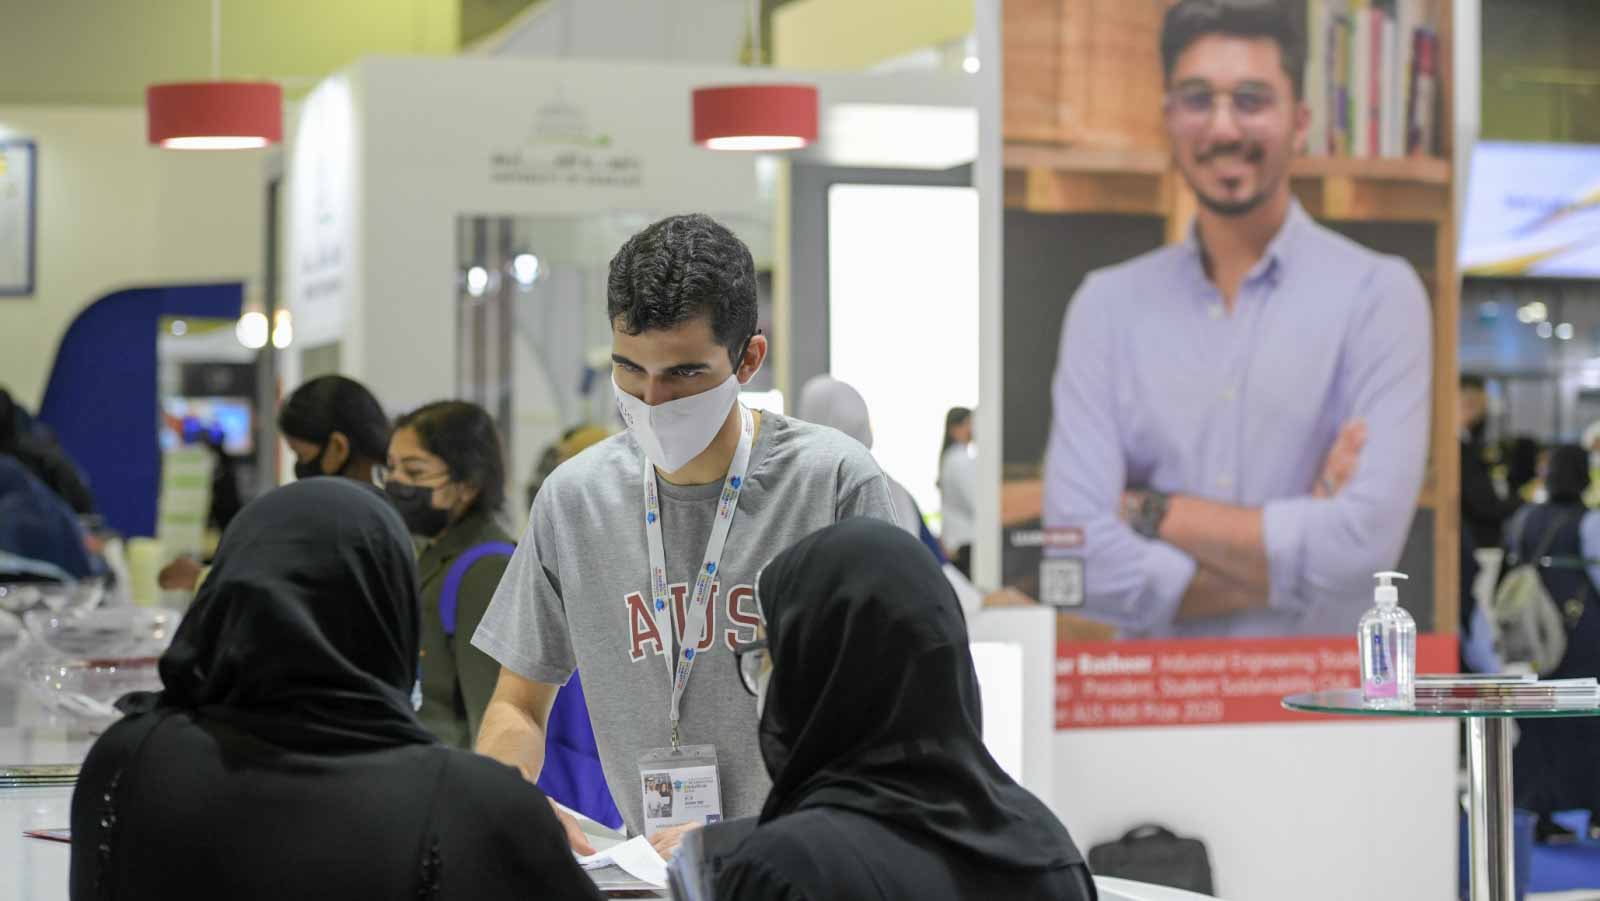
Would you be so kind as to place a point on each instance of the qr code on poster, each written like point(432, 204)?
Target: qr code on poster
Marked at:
point(1061, 582)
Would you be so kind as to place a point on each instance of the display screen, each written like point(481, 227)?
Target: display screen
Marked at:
point(1532, 210)
point(208, 420)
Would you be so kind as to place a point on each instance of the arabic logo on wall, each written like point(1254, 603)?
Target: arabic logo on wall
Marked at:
point(563, 151)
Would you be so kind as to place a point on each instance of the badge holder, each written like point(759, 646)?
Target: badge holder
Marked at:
point(680, 786)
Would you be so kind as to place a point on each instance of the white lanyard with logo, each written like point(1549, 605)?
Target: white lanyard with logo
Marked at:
point(679, 665)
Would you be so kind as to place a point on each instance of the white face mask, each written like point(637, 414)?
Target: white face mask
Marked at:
point(762, 681)
point(673, 433)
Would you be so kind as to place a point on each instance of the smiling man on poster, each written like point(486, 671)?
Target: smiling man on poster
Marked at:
point(1241, 419)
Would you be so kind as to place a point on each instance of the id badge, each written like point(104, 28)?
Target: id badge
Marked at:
point(680, 786)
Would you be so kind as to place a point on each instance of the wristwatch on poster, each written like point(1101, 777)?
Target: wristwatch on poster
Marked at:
point(1148, 513)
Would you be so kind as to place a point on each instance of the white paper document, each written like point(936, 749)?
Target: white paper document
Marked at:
point(636, 856)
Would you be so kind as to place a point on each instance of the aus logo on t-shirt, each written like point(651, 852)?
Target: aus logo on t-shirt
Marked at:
point(740, 615)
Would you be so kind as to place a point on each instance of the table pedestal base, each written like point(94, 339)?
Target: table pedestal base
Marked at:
point(1493, 857)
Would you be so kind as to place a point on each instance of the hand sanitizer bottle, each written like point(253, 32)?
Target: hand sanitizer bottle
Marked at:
point(1388, 638)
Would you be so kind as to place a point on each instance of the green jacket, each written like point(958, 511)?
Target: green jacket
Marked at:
point(457, 678)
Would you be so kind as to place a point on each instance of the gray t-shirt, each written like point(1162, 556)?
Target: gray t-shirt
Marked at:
point(577, 593)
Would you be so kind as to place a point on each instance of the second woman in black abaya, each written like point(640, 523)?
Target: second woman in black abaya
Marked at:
point(283, 759)
point(882, 788)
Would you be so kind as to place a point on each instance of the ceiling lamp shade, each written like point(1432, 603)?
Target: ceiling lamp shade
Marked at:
point(755, 116)
point(214, 115)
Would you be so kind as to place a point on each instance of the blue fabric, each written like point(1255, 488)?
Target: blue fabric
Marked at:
point(450, 592)
point(101, 399)
point(1565, 868)
point(572, 773)
point(1477, 646)
point(930, 542)
point(36, 523)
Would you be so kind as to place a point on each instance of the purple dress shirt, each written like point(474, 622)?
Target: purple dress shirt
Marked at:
point(1158, 386)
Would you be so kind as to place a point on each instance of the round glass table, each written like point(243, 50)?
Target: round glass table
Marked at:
point(1488, 767)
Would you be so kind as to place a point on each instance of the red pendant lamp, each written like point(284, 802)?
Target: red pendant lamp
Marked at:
point(755, 116)
point(215, 114)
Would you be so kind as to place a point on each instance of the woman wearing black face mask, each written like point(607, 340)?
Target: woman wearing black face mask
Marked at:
point(336, 428)
point(447, 477)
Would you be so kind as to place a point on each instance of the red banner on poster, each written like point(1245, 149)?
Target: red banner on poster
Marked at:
point(1194, 682)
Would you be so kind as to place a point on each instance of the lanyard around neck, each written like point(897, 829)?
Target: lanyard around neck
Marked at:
point(679, 665)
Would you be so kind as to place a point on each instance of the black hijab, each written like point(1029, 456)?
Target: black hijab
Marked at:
point(873, 701)
point(305, 633)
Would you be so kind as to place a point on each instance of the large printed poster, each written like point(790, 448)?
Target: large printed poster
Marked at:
point(1204, 494)
point(18, 182)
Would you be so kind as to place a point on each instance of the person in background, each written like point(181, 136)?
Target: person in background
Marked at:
point(868, 718)
point(1591, 443)
point(620, 535)
point(1522, 468)
point(335, 427)
point(573, 441)
point(282, 758)
point(827, 401)
point(1483, 510)
point(1240, 420)
point(446, 476)
point(37, 525)
point(34, 448)
point(958, 489)
point(1553, 763)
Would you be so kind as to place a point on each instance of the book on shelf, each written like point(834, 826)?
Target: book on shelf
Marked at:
point(1372, 74)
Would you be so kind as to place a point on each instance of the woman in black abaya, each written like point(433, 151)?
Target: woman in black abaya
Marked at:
point(283, 758)
point(870, 728)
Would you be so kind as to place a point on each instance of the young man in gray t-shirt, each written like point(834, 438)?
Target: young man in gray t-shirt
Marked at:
point(577, 594)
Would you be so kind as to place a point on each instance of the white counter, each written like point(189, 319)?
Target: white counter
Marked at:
point(35, 870)
point(31, 869)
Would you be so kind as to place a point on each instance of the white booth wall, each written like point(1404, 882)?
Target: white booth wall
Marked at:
point(387, 156)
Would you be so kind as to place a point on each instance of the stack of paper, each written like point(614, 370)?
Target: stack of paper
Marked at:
point(1526, 692)
point(630, 866)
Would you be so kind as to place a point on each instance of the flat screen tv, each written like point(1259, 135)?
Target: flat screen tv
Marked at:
point(1532, 210)
point(229, 421)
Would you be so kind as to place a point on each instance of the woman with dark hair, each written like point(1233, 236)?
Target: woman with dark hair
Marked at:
point(1553, 764)
point(283, 759)
point(336, 428)
point(869, 724)
point(447, 477)
point(958, 489)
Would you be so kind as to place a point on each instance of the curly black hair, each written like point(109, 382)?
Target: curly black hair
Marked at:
point(681, 268)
